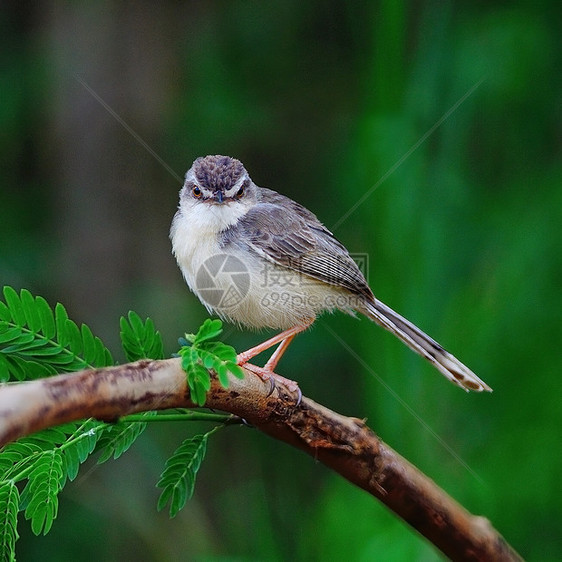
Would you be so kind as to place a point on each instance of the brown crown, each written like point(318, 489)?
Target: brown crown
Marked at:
point(218, 172)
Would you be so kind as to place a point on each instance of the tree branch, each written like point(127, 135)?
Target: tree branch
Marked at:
point(344, 444)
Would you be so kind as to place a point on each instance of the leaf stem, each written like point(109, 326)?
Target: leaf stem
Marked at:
point(184, 416)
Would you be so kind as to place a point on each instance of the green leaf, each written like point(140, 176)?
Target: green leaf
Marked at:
point(189, 339)
point(203, 355)
point(43, 488)
point(207, 358)
point(74, 337)
point(4, 370)
point(20, 340)
point(199, 382)
point(88, 344)
point(188, 356)
point(15, 306)
point(221, 350)
point(40, 349)
point(35, 342)
point(209, 330)
point(236, 370)
point(178, 478)
point(15, 457)
point(52, 435)
point(71, 463)
point(46, 315)
point(9, 505)
point(222, 373)
point(5, 315)
point(91, 431)
point(30, 310)
point(201, 376)
point(9, 334)
point(61, 318)
point(119, 437)
point(17, 367)
point(140, 340)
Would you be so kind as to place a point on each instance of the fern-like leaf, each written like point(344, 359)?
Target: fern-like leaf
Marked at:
point(178, 478)
point(119, 437)
point(36, 341)
point(78, 446)
point(43, 487)
point(140, 340)
point(9, 504)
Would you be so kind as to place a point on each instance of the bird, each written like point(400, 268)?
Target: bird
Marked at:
point(258, 259)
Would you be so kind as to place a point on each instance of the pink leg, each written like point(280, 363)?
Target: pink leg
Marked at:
point(278, 353)
point(289, 334)
point(266, 372)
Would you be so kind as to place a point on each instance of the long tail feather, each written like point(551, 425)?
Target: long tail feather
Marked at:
point(427, 347)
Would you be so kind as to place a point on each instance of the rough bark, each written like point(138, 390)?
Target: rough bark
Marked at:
point(344, 444)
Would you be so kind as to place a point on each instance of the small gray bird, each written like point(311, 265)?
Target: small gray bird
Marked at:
point(261, 260)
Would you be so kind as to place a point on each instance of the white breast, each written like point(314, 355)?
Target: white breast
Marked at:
point(195, 234)
point(236, 283)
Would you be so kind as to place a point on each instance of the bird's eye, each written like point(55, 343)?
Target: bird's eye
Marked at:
point(196, 192)
point(240, 192)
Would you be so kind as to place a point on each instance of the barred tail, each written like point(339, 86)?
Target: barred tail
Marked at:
point(428, 348)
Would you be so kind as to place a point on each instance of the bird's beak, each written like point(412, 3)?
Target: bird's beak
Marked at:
point(219, 196)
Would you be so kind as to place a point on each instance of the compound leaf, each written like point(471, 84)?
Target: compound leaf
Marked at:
point(178, 478)
point(43, 488)
point(9, 505)
point(140, 340)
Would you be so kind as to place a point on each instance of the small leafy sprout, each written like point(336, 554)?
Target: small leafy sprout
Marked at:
point(199, 354)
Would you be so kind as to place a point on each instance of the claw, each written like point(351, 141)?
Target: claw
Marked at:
point(267, 375)
point(272, 387)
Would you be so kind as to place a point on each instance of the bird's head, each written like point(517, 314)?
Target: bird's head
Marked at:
point(218, 181)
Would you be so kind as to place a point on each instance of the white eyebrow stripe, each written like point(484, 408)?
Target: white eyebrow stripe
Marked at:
point(237, 185)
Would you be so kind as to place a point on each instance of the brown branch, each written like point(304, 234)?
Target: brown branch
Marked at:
point(344, 444)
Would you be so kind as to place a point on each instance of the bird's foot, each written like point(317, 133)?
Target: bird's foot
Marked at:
point(268, 375)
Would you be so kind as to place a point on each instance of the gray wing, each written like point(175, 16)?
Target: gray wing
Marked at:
point(287, 234)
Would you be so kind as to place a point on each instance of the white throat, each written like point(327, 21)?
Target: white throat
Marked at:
point(195, 233)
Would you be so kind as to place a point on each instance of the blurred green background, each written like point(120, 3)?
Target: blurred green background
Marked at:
point(321, 101)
